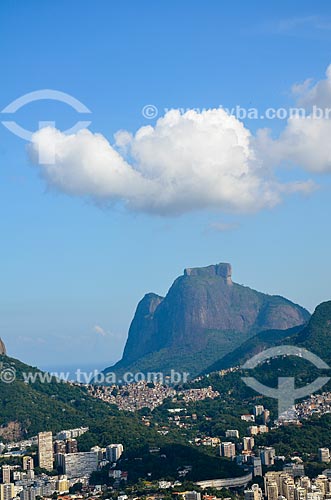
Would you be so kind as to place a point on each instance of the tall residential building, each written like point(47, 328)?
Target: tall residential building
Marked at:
point(59, 447)
point(58, 460)
point(79, 464)
point(300, 493)
point(305, 482)
point(288, 488)
point(257, 466)
point(71, 446)
point(6, 474)
point(102, 452)
point(28, 463)
point(258, 410)
point(276, 477)
point(267, 454)
point(322, 484)
point(248, 443)
point(254, 493)
point(28, 494)
point(324, 454)
point(45, 450)
point(266, 416)
point(30, 474)
point(114, 452)
point(62, 484)
point(272, 490)
point(7, 491)
point(228, 450)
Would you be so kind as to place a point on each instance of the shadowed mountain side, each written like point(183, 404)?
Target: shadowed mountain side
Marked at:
point(260, 342)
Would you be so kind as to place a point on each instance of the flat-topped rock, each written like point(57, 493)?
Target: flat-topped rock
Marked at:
point(224, 270)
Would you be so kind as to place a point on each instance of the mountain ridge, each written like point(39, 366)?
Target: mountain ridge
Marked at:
point(254, 345)
point(204, 316)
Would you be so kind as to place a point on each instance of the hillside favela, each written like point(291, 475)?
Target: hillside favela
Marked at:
point(165, 299)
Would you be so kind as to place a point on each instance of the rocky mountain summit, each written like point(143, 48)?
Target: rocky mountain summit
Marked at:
point(2, 348)
point(204, 316)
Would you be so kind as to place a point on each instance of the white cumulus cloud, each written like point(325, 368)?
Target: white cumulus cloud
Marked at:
point(306, 142)
point(318, 94)
point(190, 161)
point(305, 139)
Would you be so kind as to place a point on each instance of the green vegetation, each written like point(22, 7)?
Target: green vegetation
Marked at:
point(44, 406)
point(304, 440)
point(260, 342)
point(27, 409)
point(169, 460)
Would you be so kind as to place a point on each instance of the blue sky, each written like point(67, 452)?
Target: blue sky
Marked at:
point(73, 269)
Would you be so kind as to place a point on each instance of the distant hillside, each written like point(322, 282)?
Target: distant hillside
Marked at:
point(203, 317)
point(315, 337)
point(27, 409)
point(258, 343)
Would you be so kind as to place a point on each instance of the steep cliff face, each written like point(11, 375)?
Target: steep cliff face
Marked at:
point(204, 316)
point(143, 321)
point(2, 348)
